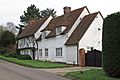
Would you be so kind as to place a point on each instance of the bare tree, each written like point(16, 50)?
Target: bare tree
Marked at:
point(11, 27)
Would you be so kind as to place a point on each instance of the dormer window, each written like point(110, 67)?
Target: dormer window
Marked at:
point(45, 33)
point(60, 30)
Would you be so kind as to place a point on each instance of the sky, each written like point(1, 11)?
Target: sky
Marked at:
point(11, 10)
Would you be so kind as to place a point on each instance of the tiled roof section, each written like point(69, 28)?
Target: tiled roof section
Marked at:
point(81, 29)
point(32, 27)
point(67, 20)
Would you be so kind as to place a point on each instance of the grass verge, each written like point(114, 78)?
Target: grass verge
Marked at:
point(93, 74)
point(34, 63)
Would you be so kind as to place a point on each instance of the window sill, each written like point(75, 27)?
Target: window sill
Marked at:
point(46, 57)
point(58, 57)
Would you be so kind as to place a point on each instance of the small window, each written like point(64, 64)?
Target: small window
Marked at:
point(40, 52)
point(46, 52)
point(58, 52)
point(30, 40)
point(44, 34)
point(58, 30)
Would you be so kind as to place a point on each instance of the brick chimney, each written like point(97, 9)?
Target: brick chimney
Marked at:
point(66, 9)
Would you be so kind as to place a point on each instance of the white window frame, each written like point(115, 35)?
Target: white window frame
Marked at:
point(46, 52)
point(44, 34)
point(58, 52)
point(58, 30)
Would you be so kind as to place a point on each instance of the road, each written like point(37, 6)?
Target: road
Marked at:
point(10, 71)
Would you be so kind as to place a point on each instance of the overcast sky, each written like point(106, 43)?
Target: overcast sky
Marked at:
point(11, 10)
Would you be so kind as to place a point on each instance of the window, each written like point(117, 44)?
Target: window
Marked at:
point(58, 30)
point(30, 40)
point(58, 52)
point(40, 52)
point(44, 34)
point(46, 52)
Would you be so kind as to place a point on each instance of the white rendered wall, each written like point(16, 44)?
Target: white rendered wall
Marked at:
point(71, 56)
point(52, 44)
point(38, 33)
point(93, 36)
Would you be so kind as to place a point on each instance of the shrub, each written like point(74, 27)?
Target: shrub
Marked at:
point(12, 54)
point(24, 57)
point(4, 50)
point(111, 45)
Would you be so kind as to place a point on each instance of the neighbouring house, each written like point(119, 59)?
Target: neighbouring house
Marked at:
point(60, 39)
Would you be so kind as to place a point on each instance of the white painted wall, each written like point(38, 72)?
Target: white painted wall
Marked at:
point(71, 54)
point(38, 33)
point(52, 44)
point(93, 36)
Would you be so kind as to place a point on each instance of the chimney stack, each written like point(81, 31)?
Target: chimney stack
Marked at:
point(67, 9)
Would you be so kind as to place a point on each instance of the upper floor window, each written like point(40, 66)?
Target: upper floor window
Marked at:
point(30, 40)
point(60, 30)
point(45, 33)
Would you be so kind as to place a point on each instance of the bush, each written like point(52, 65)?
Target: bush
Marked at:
point(12, 54)
point(111, 45)
point(24, 57)
point(4, 50)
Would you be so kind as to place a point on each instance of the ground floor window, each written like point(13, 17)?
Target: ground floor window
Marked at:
point(58, 52)
point(40, 52)
point(46, 52)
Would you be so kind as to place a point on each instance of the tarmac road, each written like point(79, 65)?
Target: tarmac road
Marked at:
point(10, 71)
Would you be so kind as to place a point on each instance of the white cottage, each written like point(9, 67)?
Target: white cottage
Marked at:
point(59, 39)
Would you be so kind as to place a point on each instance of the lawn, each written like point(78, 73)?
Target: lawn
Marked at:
point(93, 74)
point(34, 63)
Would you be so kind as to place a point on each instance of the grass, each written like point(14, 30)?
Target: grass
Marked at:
point(34, 63)
point(93, 74)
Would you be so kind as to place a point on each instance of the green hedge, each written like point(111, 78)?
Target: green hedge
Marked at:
point(111, 44)
point(12, 54)
point(24, 57)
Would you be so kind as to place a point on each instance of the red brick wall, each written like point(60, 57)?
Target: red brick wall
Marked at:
point(82, 58)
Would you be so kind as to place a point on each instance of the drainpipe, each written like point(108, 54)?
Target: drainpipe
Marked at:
point(77, 53)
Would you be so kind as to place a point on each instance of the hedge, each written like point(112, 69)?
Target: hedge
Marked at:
point(111, 44)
